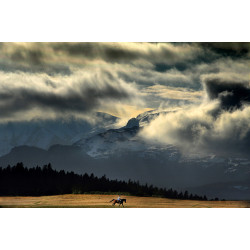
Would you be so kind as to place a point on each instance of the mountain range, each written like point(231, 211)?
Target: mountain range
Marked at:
point(120, 153)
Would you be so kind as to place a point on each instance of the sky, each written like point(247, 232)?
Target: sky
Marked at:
point(204, 86)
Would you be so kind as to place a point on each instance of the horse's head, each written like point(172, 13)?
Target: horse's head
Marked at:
point(125, 200)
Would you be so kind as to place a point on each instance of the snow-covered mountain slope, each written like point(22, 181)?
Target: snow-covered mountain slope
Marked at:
point(44, 133)
point(146, 117)
point(116, 142)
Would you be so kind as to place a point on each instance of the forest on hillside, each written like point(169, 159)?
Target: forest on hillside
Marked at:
point(22, 181)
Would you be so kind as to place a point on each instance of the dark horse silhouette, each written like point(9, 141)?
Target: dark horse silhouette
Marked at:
point(120, 202)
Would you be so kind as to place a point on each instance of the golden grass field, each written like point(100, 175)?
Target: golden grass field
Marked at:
point(102, 201)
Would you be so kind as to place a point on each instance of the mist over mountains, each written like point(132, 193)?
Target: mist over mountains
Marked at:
point(123, 154)
point(43, 133)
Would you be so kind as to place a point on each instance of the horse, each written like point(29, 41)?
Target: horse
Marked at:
point(120, 202)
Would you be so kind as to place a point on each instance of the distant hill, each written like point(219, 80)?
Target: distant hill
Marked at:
point(45, 133)
point(63, 157)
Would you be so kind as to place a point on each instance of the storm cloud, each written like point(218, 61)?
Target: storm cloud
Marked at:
point(229, 49)
point(219, 125)
point(123, 79)
point(47, 56)
point(80, 93)
point(232, 95)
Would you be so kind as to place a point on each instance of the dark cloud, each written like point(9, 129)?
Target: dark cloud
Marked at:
point(162, 67)
point(107, 51)
point(228, 49)
point(37, 53)
point(83, 101)
point(115, 52)
point(53, 69)
point(80, 97)
point(232, 94)
point(33, 56)
point(219, 126)
point(63, 58)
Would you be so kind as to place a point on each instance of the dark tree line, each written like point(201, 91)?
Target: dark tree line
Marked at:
point(19, 180)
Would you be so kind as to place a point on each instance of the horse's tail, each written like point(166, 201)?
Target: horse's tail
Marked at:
point(112, 200)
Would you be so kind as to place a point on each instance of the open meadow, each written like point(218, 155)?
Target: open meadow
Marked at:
point(103, 201)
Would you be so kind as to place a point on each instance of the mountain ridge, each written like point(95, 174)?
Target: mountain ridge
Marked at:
point(122, 154)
